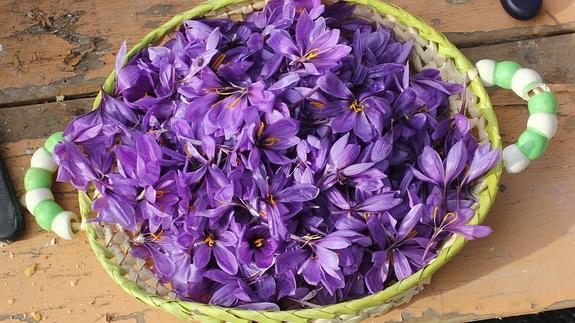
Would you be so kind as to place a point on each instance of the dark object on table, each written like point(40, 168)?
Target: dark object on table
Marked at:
point(522, 9)
point(11, 220)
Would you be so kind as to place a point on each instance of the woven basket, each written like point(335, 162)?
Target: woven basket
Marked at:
point(431, 50)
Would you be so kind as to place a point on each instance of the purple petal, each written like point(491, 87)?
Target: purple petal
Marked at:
point(431, 165)
point(410, 220)
point(471, 232)
point(225, 259)
point(202, 255)
point(332, 85)
point(455, 161)
point(334, 196)
point(379, 202)
point(281, 42)
point(311, 271)
point(356, 169)
point(401, 265)
point(298, 193)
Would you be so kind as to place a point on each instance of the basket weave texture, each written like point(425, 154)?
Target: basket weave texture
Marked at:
point(431, 50)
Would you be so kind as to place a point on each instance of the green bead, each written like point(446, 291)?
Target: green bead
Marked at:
point(543, 102)
point(532, 143)
point(504, 72)
point(37, 178)
point(52, 141)
point(45, 212)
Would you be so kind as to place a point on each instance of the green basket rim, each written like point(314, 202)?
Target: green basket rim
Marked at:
point(205, 312)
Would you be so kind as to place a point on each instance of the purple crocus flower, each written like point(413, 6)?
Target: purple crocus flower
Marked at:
point(484, 160)
point(272, 141)
point(316, 47)
point(362, 114)
point(318, 262)
point(341, 167)
point(258, 245)
point(275, 195)
point(401, 249)
point(433, 170)
point(218, 245)
point(74, 166)
point(362, 205)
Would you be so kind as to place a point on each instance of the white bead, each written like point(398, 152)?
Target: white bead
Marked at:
point(62, 225)
point(41, 159)
point(545, 123)
point(486, 69)
point(514, 159)
point(522, 78)
point(35, 196)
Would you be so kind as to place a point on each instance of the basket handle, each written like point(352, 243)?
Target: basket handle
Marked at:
point(39, 199)
point(542, 104)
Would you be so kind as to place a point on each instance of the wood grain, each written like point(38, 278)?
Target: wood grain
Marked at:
point(66, 47)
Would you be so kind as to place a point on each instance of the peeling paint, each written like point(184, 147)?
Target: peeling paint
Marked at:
point(87, 49)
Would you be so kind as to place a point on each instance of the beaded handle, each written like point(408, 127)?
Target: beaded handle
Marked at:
point(39, 198)
point(542, 104)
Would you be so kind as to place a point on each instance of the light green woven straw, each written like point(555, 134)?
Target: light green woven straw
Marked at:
point(369, 305)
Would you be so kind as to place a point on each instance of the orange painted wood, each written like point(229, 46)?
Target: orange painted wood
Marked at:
point(67, 47)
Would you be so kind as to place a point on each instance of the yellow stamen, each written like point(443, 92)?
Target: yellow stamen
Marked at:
point(235, 102)
point(317, 104)
point(357, 106)
point(311, 54)
point(435, 212)
point(156, 237)
point(271, 200)
point(225, 91)
point(450, 217)
point(160, 193)
point(270, 141)
point(263, 213)
point(261, 130)
point(258, 243)
point(209, 240)
point(218, 61)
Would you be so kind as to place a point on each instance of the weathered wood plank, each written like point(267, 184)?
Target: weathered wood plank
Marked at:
point(40, 120)
point(524, 266)
point(66, 47)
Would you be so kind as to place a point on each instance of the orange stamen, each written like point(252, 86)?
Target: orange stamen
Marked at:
point(158, 236)
point(258, 243)
point(261, 130)
point(235, 102)
point(270, 141)
point(218, 61)
point(317, 104)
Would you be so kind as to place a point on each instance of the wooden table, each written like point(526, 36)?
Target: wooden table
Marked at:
point(50, 49)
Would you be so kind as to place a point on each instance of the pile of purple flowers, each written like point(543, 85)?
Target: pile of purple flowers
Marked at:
point(290, 160)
